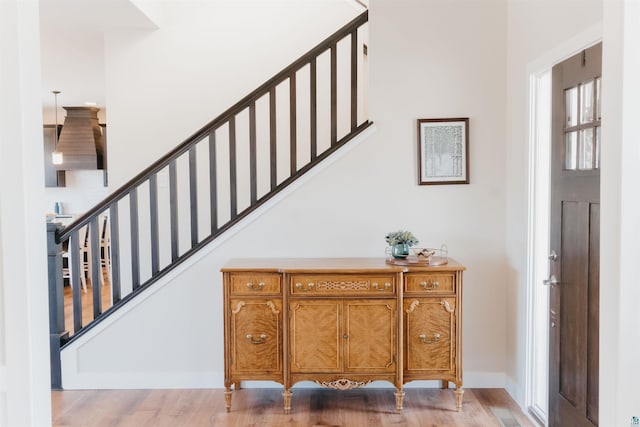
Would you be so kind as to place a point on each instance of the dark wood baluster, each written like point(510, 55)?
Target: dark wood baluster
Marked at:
point(272, 137)
point(170, 159)
point(114, 252)
point(252, 153)
point(193, 195)
point(135, 236)
point(76, 268)
point(334, 94)
point(213, 182)
point(173, 209)
point(292, 124)
point(233, 179)
point(313, 108)
point(153, 216)
point(96, 266)
point(354, 79)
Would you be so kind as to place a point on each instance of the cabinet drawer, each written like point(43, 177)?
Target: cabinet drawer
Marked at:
point(343, 285)
point(255, 283)
point(430, 283)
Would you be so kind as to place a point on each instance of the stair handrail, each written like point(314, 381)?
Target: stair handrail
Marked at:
point(183, 147)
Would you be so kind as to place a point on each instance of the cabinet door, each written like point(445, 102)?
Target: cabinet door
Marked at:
point(370, 335)
point(315, 335)
point(256, 336)
point(430, 328)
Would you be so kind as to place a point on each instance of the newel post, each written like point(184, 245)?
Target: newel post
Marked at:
point(56, 303)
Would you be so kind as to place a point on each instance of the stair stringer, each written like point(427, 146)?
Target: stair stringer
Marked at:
point(75, 374)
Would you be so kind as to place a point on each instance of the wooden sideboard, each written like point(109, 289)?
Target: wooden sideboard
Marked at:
point(342, 323)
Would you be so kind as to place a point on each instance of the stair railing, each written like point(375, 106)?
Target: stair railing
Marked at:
point(245, 156)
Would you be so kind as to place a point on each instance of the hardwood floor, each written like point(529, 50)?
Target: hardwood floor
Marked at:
point(87, 303)
point(263, 407)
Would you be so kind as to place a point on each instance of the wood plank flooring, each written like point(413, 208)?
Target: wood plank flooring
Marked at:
point(87, 303)
point(263, 407)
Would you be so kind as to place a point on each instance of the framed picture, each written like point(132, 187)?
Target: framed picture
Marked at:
point(443, 151)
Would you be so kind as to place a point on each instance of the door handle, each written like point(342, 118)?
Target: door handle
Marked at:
point(551, 281)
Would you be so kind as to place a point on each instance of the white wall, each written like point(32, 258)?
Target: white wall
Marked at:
point(25, 398)
point(163, 85)
point(443, 59)
point(620, 246)
point(427, 59)
point(83, 189)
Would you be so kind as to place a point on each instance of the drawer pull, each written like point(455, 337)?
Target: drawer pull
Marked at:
point(423, 338)
point(309, 287)
point(255, 286)
point(382, 288)
point(262, 339)
point(430, 285)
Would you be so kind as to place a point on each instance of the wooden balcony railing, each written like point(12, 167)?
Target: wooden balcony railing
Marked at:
point(226, 169)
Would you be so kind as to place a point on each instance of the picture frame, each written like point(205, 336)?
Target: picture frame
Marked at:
point(443, 151)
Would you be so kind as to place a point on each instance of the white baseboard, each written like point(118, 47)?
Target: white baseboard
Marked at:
point(215, 379)
point(515, 391)
point(143, 380)
point(517, 394)
point(484, 379)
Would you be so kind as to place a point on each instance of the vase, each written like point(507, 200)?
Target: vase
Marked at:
point(400, 250)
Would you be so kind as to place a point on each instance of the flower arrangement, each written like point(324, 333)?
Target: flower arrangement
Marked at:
point(401, 237)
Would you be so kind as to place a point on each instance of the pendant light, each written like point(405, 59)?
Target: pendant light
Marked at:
point(56, 156)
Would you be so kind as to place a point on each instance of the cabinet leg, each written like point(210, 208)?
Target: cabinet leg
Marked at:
point(444, 384)
point(287, 401)
point(399, 399)
point(459, 392)
point(227, 398)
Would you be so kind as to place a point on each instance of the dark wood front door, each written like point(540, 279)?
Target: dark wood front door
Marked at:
point(575, 240)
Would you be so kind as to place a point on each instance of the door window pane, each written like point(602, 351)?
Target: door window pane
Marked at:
point(571, 150)
point(586, 102)
point(585, 151)
point(571, 107)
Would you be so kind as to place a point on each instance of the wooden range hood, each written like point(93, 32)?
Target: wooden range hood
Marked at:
point(81, 141)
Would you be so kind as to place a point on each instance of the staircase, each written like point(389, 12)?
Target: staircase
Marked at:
point(228, 168)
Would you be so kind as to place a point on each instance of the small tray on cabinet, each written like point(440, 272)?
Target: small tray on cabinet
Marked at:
point(434, 257)
point(413, 260)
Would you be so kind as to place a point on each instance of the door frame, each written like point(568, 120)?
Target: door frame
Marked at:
point(538, 155)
